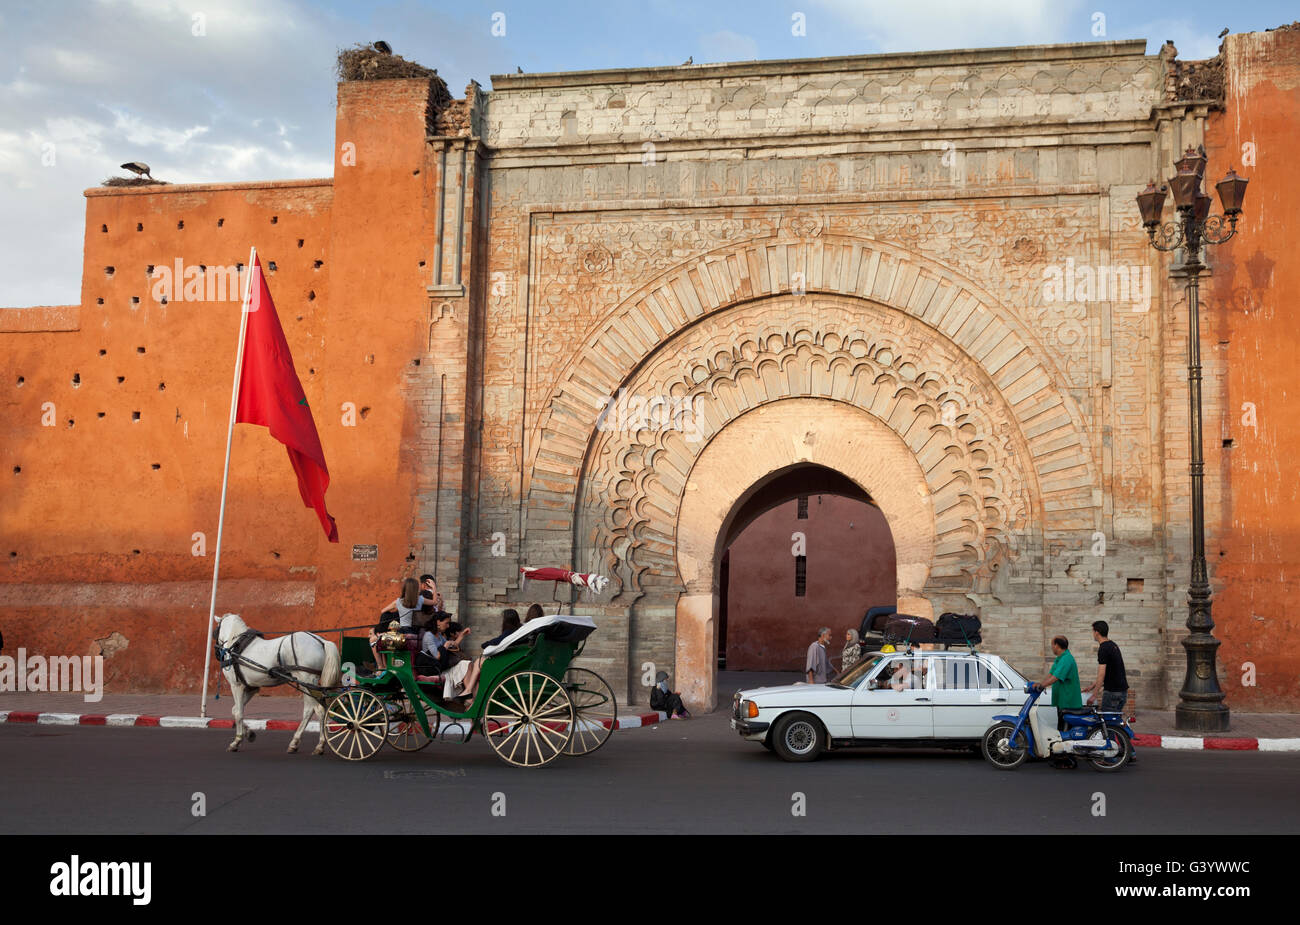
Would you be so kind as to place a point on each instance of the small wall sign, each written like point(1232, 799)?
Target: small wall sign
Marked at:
point(365, 553)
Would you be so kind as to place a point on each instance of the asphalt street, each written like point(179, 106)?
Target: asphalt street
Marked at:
point(695, 776)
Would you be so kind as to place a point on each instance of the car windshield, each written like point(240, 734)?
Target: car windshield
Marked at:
point(855, 674)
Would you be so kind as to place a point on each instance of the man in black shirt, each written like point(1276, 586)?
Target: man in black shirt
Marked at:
point(1111, 686)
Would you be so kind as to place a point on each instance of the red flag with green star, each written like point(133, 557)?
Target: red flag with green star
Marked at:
point(271, 395)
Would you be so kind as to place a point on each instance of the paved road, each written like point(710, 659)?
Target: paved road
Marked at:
point(695, 776)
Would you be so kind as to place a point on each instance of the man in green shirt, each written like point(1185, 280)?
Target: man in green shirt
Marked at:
point(1063, 678)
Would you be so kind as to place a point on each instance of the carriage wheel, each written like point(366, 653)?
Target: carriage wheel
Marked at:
point(356, 724)
point(528, 719)
point(595, 709)
point(404, 731)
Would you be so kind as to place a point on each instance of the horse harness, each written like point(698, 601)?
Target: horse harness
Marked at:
point(232, 656)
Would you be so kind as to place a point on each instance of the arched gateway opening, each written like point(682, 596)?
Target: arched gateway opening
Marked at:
point(805, 547)
point(764, 454)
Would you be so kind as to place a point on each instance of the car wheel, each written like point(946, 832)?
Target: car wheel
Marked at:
point(798, 737)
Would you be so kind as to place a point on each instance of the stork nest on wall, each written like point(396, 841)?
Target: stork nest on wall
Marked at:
point(365, 62)
point(132, 181)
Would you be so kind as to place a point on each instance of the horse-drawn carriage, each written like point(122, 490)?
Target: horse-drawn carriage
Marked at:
point(531, 704)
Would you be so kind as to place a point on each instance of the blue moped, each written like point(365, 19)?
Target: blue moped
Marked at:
point(1104, 739)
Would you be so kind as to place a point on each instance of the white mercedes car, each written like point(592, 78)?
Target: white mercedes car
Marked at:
point(943, 699)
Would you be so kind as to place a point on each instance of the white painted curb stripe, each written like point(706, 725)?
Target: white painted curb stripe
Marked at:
point(183, 722)
point(121, 719)
point(58, 719)
point(1279, 745)
point(1183, 742)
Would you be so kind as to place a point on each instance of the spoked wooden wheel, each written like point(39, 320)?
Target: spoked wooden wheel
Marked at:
point(595, 709)
point(356, 724)
point(528, 719)
point(404, 731)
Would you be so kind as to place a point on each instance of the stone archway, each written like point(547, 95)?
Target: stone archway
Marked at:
point(822, 432)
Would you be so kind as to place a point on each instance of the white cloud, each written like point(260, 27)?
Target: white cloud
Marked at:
point(726, 45)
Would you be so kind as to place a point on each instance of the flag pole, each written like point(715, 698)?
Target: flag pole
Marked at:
point(225, 477)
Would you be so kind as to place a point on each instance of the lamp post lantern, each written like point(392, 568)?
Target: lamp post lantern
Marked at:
point(1200, 702)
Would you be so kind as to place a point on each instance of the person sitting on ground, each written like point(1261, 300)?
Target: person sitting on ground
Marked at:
point(535, 612)
point(852, 650)
point(664, 698)
point(509, 623)
point(460, 679)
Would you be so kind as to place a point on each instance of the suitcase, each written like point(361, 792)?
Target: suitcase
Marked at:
point(872, 631)
point(906, 628)
point(958, 629)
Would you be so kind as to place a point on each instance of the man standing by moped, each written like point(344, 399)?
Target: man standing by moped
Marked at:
point(1111, 686)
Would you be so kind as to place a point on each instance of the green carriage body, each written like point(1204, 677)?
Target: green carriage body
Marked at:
point(513, 679)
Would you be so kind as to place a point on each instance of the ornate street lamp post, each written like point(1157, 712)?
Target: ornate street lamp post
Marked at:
point(1200, 705)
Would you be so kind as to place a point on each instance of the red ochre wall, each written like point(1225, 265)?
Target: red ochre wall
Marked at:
point(1251, 304)
point(850, 567)
point(96, 545)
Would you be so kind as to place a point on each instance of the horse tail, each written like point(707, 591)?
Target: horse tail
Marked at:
point(331, 671)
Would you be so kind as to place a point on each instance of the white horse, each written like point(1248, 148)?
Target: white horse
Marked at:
point(304, 656)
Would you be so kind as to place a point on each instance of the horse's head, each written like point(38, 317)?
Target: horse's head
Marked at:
point(226, 627)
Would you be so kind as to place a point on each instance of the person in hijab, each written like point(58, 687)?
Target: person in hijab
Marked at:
point(663, 697)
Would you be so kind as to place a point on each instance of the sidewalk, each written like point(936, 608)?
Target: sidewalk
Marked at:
point(181, 711)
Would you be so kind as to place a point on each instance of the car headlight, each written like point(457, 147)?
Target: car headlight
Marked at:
point(748, 708)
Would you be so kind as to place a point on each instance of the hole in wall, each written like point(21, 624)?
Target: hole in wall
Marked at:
point(271, 266)
point(103, 352)
point(311, 296)
point(76, 380)
point(300, 242)
point(275, 219)
point(421, 263)
point(364, 412)
point(139, 226)
point(71, 423)
point(300, 317)
point(100, 414)
point(17, 469)
point(99, 301)
point(109, 271)
point(275, 554)
point(180, 225)
point(1228, 442)
point(163, 300)
point(135, 300)
point(1136, 585)
point(13, 555)
point(155, 466)
point(415, 362)
point(415, 172)
point(162, 387)
point(318, 264)
point(220, 222)
point(148, 271)
point(121, 379)
point(103, 229)
point(135, 415)
point(135, 552)
point(139, 350)
point(20, 382)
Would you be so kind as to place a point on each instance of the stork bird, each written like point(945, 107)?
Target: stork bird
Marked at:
point(383, 47)
point(1224, 32)
point(690, 60)
point(139, 168)
point(518, 69)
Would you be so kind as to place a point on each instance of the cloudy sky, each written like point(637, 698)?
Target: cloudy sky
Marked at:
point(215, 91)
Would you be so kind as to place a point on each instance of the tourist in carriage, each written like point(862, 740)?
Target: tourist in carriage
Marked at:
point(509, 623)
point(429, 660)
point(460, 679)
point(535, 612)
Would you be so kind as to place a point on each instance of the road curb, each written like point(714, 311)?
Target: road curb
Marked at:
point(1216, 744)
point(634, 721)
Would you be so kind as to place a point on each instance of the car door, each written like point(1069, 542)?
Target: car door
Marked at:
point(880, 712)
point(968, 694)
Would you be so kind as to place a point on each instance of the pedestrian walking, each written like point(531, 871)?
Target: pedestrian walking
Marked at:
point(1111, 686)
point(817, 667)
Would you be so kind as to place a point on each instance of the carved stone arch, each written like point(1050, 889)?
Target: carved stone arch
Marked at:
point(964, 321)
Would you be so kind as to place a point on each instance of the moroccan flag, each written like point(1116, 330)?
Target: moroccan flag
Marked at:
point(271, 395)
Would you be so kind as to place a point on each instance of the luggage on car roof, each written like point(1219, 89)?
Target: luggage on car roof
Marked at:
point(958, 628)
point(874, 620)
point(904, 627)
